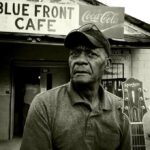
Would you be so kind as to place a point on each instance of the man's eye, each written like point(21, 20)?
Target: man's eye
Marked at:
point(91, 54)
point(74, 53)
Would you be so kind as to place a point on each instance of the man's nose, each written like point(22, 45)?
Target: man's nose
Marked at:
point(82, 58)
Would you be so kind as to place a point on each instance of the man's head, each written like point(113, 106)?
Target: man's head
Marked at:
point(89, 52)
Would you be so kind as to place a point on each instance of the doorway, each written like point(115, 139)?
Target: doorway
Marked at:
point(29, 80)
point(27, 85)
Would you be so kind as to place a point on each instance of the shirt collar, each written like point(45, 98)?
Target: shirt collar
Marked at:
point(105, 103)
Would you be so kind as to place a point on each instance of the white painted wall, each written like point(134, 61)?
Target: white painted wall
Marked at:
point(140, 69)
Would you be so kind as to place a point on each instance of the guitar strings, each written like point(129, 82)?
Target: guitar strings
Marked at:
point(136, 114)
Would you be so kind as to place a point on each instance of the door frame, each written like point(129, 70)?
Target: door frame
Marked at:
point(28, 64)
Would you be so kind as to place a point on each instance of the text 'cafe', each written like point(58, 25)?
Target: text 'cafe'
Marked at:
point(46, 15)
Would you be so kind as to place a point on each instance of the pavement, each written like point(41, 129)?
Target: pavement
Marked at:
point(13, 144)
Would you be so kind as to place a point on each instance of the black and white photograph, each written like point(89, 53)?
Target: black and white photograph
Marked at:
point(74, 75)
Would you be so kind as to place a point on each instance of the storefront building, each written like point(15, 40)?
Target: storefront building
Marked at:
point(33, 63)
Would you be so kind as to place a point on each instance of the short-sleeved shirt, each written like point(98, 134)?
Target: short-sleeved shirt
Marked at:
point(59, 119)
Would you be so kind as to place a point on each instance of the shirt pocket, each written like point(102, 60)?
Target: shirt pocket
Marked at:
point(110, 141)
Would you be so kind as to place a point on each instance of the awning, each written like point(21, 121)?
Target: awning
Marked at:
point(134, 41)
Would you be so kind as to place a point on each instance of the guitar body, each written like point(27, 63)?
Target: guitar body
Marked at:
point(134, 107)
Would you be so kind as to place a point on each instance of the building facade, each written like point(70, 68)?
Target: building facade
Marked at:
point(28, 60)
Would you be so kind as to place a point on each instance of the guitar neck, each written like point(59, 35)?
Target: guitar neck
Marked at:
point(134, 107)
point(137, 136)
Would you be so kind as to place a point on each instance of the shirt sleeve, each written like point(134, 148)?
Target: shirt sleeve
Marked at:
point(37, 132)
point(125, 143)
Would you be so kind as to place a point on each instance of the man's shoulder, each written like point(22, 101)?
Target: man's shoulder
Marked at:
point(55, 90)
point(117, 107)
point(116, 101)
point(51, 94)
point(58, 88)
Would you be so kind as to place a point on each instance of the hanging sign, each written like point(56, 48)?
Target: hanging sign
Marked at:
point(110, 20)
point(58, 19)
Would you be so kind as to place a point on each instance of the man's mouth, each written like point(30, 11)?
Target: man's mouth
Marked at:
point(80, 72)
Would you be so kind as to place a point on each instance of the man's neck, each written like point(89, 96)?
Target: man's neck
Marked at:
point(88, 92)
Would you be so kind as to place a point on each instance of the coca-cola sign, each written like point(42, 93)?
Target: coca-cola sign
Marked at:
point(109, 19)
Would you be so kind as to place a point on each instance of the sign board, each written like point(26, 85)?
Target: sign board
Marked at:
point(58, 19)
point(110, 20)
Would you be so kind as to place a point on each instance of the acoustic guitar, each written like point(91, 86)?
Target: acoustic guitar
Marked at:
point(134, 107)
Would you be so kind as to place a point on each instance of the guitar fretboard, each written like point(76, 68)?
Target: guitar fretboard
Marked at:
point(137, 134)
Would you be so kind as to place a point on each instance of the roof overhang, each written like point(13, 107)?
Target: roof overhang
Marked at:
point(128, 41)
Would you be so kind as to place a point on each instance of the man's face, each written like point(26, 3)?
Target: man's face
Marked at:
point(86, 65)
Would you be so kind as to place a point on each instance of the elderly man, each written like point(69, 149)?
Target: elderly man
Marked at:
point(79, 115)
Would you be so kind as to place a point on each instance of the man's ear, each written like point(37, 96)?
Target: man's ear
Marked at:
point(107, 63)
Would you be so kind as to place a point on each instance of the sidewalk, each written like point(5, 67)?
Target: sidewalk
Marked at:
point(13, 144)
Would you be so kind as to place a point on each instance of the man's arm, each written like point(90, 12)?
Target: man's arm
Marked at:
point(125, 141)
point(37, 132)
